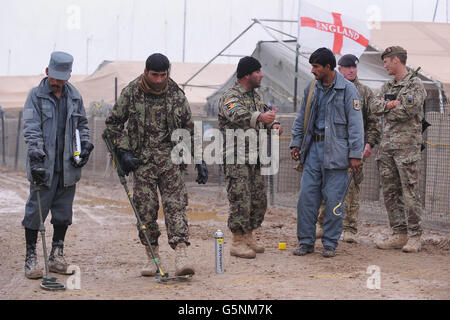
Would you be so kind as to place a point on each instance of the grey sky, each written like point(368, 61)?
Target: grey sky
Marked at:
point(97, 30)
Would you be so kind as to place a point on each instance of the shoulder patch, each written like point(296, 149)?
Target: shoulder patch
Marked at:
point(356, 105)
point(232, 99)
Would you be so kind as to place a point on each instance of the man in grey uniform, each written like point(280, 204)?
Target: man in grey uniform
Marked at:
point(52, 113)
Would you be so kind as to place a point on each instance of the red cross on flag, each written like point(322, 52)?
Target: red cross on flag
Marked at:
point(320, 28)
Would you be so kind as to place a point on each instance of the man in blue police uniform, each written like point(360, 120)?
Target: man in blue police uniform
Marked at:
point(332, 141)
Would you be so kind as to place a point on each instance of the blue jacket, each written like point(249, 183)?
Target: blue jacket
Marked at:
point(39, 128)
point(344, 127)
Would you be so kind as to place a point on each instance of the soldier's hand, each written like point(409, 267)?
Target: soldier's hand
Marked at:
point(354, 164)
point(279, 128)
point(128, 162)
point(267, 117)
point(295, 153)
point(367, 151)
point(392, 104)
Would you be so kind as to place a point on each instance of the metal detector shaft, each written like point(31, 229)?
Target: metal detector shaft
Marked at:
point(42, 227)
point(123, 181)
point(344, 195)
point(48, 283)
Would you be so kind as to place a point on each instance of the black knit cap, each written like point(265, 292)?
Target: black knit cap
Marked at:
point(246, 66)
point(157, 62)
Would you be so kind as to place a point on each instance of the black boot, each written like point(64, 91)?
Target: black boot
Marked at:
point(56, 261)
point(32, 270)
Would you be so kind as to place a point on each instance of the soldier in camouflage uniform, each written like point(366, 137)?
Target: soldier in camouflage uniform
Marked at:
point(400, 103)
point(241, 107)
point(348, 68)
point(154, 106)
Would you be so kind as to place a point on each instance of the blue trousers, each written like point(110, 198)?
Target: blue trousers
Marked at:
point(318, 183)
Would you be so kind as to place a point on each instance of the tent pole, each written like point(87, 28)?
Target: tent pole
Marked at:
point(209, 62)
point(296, 78)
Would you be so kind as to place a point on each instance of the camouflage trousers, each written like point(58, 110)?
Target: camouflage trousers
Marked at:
point(168, 179)
point(399, 174)
point(247, 196)
point(350, 222)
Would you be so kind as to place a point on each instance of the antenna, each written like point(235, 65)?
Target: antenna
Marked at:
point(184, 31)
point(435, 9)
point(9, 62)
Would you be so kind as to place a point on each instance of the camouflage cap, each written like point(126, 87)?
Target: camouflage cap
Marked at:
point(390, 51)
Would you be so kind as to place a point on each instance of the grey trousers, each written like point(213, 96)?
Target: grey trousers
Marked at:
point(56, 199)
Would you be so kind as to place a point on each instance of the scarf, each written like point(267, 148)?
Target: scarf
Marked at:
point(146, 86)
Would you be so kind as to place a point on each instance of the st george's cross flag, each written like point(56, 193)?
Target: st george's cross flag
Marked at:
point(320, 28)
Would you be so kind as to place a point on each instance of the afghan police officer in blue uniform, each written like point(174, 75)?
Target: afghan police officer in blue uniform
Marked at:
point(52, 113)
point(332, 142)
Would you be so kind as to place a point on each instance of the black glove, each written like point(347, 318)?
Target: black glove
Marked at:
point(37, 166)
point(202, 170)
point(128, 162)
point(86, 149)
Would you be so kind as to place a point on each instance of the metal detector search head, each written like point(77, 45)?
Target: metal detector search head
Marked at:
point(165, 278)
point(50, 284)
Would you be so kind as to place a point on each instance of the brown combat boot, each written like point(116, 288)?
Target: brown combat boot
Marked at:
point(32, 270)
point(349, 237)
point(251, 242)
point(239, 247)
point(319, 231)
point(182, 264)
point(414, 244)
point(150, 270)
point(396, 241)
point(56, 261)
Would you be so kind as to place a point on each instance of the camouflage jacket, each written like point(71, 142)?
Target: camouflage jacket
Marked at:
point(402, 124)
point(372, 123)
point(150, 119)
point(240, 109)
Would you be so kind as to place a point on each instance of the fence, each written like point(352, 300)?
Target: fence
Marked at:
point(283, 186)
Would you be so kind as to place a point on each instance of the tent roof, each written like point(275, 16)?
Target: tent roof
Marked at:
point(100, 85)
point(427, 44)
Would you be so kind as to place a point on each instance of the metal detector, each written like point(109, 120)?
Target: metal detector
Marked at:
point(160, 276)
point(48, 283)
point(344, 195)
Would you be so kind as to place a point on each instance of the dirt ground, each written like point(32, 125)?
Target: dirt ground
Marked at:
point(102, 242)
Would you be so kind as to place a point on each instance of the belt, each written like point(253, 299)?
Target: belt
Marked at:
point(318, 137)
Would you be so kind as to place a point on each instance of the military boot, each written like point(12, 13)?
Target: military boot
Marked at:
point(414, 244)
point(182, 263)
point(56, 261)
point(32, 270)
point(319, 231)
point(251, 242)
point(396, 241)
point(349, 237)
point(150, 269)
point(239, 247)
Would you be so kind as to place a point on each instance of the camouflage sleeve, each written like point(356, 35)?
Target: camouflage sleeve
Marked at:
point(378, 104)
point(235, 111)
point(411, 99)
point(115, 122)
point(188, 124)
point(373, 130)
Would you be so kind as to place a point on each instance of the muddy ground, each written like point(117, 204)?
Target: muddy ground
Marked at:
point(103, 244)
